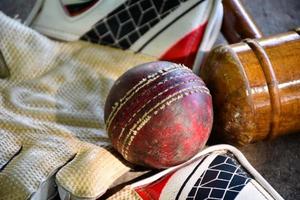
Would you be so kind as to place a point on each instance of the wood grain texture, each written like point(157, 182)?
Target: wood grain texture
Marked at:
point(256, 88)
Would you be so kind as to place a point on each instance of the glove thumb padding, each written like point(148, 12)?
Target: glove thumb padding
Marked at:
point(89, 174)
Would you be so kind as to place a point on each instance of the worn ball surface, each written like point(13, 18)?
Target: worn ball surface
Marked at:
point(158, 114)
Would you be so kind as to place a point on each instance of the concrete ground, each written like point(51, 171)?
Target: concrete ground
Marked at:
point(279, 160)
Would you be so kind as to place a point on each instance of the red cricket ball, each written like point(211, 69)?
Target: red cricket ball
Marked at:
point(158, 114)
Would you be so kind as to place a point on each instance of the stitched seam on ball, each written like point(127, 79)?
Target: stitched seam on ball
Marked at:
point(161, 82)
point(159, 94)
point(162, 105)
point(145, 81)
point(145, 119)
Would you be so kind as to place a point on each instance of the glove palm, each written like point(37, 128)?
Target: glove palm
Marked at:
point(51, 115)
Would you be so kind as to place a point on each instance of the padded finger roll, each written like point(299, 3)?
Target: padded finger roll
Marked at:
point(89, 174)
point(28, 175)
point(9, 147)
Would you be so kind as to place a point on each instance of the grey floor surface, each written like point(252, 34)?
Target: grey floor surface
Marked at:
point(279, 160)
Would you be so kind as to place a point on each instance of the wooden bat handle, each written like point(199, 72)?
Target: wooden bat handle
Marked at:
point(255, 86)
point(238, 23)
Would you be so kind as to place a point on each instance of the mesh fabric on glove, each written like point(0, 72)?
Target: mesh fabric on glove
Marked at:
point(51, 115)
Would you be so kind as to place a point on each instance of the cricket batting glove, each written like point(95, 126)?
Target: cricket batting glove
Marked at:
point(217, 172)
point(52, 133)
point(181, 31)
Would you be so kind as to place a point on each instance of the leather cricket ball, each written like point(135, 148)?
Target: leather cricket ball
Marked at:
point(158, 114)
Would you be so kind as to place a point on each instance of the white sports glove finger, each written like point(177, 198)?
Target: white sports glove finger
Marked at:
point(52, 130)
